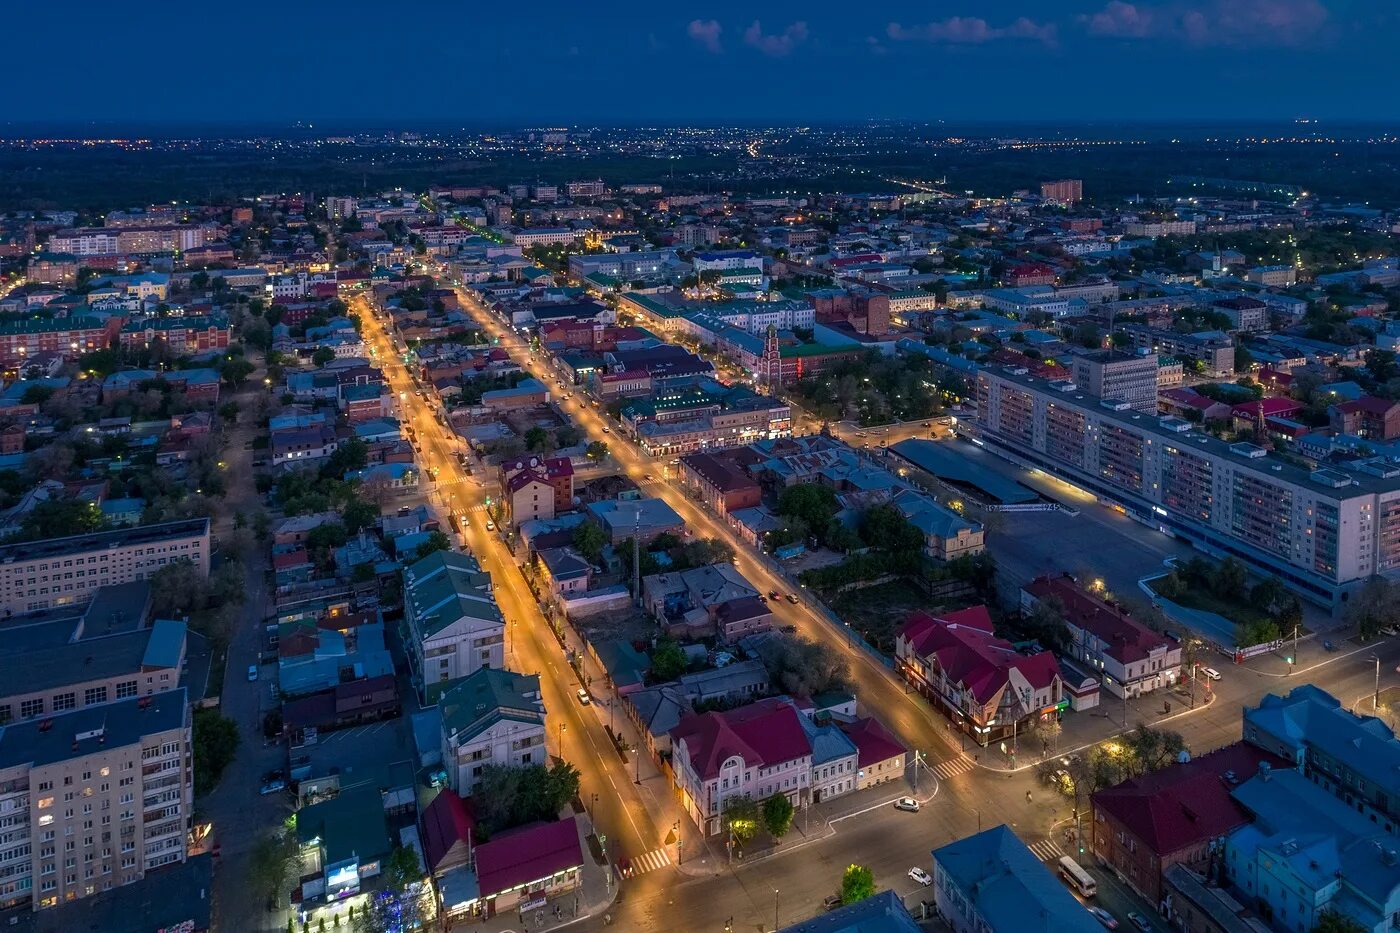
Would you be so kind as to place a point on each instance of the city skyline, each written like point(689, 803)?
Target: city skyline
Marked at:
point(1112, 60)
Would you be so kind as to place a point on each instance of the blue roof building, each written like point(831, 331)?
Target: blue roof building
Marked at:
point(992, 883)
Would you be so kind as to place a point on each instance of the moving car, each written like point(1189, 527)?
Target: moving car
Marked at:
point(1104, 917)
point(774, 594)
point(921, 876)
point(606, 429)
point(1139, 921)
point(252, 672)
point(583, 696)
point(1328, 646)
point(272, 787)
point(490, 525)
point(792, 598)
point(907, 804)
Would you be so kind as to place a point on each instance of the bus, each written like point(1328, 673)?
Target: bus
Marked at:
point(1077, 876)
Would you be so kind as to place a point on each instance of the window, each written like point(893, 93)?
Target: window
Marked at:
point(93, 695)
point(30, 708)
point(126, 690)
point(65, 701)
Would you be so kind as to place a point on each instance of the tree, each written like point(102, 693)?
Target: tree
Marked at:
point(1330, 921)
point(857, 883)
point(54, 518)
point(402, 868)
point(236, 371)
point(1229, 578)
point(804, 668)
point(813, 504)
point(536, 439)
point(596, 451)
point(589, 541)
point(437, 541)
point(741, 818)
point(1046, 623)
point(178, 589)
point(36, 395)
point(351, 455)
point(1373, 607)
point(777, 815)
point(884, 527)
point(359, 514)
point(667, 662)
point(509, 796)
point(1153, 749)
point(567, 436)
point(215, 745)
point(322, 356)
point(272, 862)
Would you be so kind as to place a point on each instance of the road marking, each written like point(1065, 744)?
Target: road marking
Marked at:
point(953, 767)
point(1047, 850)
point(648, 861)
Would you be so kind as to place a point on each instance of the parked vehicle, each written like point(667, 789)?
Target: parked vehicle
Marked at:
point(832, 902)
point(583, 696)
point(1211, 672)
point(792, 598)
point(921, 876)
point(1139, 921)
point(272, 787)
point(252, 672)
point(907, 804)
point(1328, 646)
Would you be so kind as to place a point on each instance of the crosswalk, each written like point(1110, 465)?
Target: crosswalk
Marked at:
point(647, 861)
point(953, 767)
point(1047, 850)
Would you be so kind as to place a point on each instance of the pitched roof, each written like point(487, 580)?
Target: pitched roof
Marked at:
point(971, 655)
point(447, 822)
point(1184, 804)
point(488, 696)
point(531, 853)
point(764, 733)
point(1128, 640)
point(874, 742)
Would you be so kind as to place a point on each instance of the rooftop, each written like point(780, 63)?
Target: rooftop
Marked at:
point(101, 540)
point(66, 736)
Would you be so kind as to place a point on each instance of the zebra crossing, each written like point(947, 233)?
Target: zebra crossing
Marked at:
point(1047, 850)
point(647, 861)
point(953, 767)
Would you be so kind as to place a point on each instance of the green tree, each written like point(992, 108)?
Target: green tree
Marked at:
point(402, 868)
point(815, 505)
point(215, 744)
point(1373, 607)
point(667, 662)
point(536, 439)
point(741, 818)
point(236, 371)
point(36, 395)
point(437, 541)
point(1046, 623)
point(1330, 921)
point(274, 857)
point(589, 540)
point(101, 363)
point(596, 451)
point(1153, 749)
point(777, 815)
point(884, 527)
point(55, 518)
point(857, 883)
point(322, 356)
point(359, 514)
point(178, 589)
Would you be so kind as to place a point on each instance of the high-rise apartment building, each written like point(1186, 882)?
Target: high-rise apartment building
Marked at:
point(93, 799)
point(1323, 531)
point(1123, 377)
point(1063, 191)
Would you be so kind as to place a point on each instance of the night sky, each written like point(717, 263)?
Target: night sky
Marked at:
point(622, 61)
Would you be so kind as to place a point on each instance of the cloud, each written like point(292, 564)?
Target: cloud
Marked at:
point(972, 30)
point(1214, 22)
point(706, 32)
point(776, 45)
point(875, 46)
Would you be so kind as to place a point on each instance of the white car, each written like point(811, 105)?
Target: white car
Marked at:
point(583, 696)
point(490, 525)
point(921, 876)
point(252, 672)
point(1211, 672)
point(907, 804)
point(272, 787)
point(1104, 917)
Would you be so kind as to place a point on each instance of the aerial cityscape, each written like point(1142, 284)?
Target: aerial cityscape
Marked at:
point(823, 471)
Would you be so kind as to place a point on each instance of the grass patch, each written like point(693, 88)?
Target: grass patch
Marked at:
point(876, 612)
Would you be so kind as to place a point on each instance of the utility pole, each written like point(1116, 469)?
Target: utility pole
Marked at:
point(637, 556)
point(1376, 697)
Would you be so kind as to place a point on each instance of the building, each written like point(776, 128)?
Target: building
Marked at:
point(1161, 228)
point(1355, 757)
point(1122, 377)
point(114, 783)
point(882, 912)
point(947, 535)
point(564, 571)
point(344, 841)
point(1323, 532)
point(491, 717)
point(694, 597)
point(1247, 315)
point(556, 473)
point(985, 687)
point(753, 751)
point(879, 755)
point(1213, 350)
point(643, 519)
point(52, 269)
point(586, 189)
point(68, 571)
point(992, 883)
point(1030, 273)
point(518, 869)
point(720, 483)
point(452, 624)
point(1173, 816)
point(1274, 276)
point(1369, 417)
point(68, 337)
point(339, 208)
point(1306, 852)
point(1130, 658)
point(182, 336)
point(1066, 191)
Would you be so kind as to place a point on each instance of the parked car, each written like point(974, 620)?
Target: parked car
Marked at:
point(1328, 646)
point(272, 787)
point(792, 598)
point(490, 525)
point(790, 629)
point(252, 672)
point(1104, 917)
point(921, 876)
point(1139, 921)
point(1388, 630)
point(583, 696)
point(437, 778)
point(907, 804)
point(1211, 672)
point(832, 902)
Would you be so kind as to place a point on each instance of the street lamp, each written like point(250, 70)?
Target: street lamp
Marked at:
point(775, 910)
point(562, 728)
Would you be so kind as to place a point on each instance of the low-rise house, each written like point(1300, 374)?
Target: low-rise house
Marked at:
point(1131, 658)
point(622, 519)
point(304, 445)
point(947, 535)
point(992, 883)
point(753, 751)
point(564, 571)
point(986, 688)
point(492, 717)
point(691, 599)
point(344, 841)
point(880, 756)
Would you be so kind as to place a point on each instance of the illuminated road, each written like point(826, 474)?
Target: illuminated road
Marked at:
point(531, 648)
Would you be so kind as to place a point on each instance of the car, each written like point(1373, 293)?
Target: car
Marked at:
point(272, 787)
point(792, 598)
point(437, 778)
point(583, 696)
point(648, 477)
point(1139, 921)
point(1211, 672)
point(907, 804)
point(921, 876)
point(774, 594)
point(789, 629)
point(1388, 630)
point(762, 598)
point(1104, 917)
point(832, 902)
point(1328, 646)
point(490, 525)
point(252, 672)
point(606, 429)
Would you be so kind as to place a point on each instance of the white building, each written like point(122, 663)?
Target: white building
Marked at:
point(452, 623)
point(493, 717)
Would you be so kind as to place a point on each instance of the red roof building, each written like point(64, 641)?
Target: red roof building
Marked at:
point(522, 864)
point(1369, 417)
point(1031, 273)
point(879, 755)
point(984, 685)
point(448, 827)
point(1145, 825)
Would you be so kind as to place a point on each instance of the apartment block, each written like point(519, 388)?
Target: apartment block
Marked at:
point(181, 335)
point(1323, 532)
point(23, 338)
point(1213, 349)
point(452, 624)
point(1063, 191)
point(93, 799)
point(63, 571)
point(1126, 377)
point(493, 717)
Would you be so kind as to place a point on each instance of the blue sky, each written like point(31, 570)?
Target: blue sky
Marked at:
point(627, 61)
